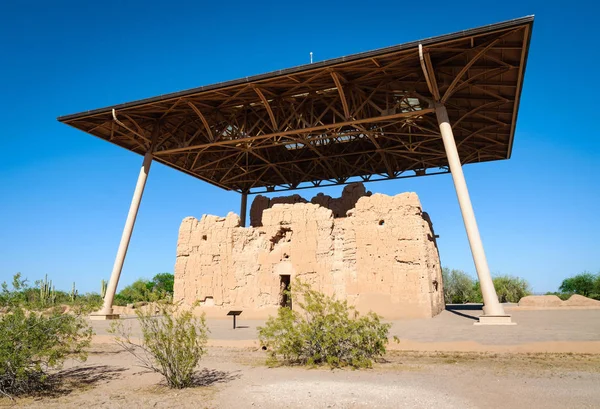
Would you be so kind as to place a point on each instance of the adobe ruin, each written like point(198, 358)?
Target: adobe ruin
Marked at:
point(381, 257)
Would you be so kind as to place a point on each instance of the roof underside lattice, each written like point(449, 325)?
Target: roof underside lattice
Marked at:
point(367, 116)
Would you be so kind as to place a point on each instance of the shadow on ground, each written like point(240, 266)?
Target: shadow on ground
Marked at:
point(99, 351)
point(475, 310)
point(208, 377)
point(68, 380)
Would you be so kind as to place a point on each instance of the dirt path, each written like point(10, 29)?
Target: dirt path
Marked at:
point(237, 378)
point(563, 331)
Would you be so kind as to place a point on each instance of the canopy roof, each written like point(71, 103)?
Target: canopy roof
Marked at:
point(367, 116)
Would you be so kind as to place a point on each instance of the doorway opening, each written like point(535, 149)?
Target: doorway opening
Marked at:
point(284, 291)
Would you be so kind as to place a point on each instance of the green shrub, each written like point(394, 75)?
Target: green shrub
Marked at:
point(459, 287)
point(562, 296)
point(135, 292)
point(159, 288)
point(163, 283)
point(326, 331)
point(86, 303)
point(508, 288)
point(511, 289)
point(586, 284)
point(33, 343)
point(477, 297)
point(37, 298)
point(171, 345)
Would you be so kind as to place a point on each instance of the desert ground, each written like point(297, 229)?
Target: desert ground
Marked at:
point(551, 359)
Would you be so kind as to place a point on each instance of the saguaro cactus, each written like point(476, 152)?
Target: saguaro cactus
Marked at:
point(103, 285)
point(74, 293)
point(47, 294)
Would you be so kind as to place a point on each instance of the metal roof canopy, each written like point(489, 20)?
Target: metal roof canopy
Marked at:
point(368, 116)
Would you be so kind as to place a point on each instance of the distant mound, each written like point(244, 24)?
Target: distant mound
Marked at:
point(547, 301)
point(577, 300)
point(540, 301)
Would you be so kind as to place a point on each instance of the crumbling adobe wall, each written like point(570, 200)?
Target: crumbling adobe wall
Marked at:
point(338, 205)
point(382, 257)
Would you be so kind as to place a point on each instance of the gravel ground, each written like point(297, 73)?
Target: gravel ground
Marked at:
point(237, 378)
point(452, 325)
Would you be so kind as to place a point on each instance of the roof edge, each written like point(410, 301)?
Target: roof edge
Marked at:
point(307, 67)
point(520, 91)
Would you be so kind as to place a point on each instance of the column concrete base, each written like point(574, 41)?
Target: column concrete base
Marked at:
point(102, 317)
point(495, 320)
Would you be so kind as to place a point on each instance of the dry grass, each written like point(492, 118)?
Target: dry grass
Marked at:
point(540, 364)
point(113, 379)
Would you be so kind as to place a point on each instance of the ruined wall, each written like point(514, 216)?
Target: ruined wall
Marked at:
point(381, 257)
point(338, 205)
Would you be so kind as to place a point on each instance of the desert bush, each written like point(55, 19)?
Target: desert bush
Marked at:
point(36, 298)
point(586, 284)
point(33, 343)
point(16, 296)
point(325, 331)
point(511, 289)
point(562, 296)
point(508, 288)
point(88, 302)
point(138, 291)
point(142, 290)
point(459, 287)
point(171, 345)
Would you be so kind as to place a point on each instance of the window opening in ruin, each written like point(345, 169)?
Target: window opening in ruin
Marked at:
point(381, 222)
point(284, 287)
point(204, 237)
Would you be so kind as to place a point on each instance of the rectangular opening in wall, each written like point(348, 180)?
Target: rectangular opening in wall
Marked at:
point(284, 287)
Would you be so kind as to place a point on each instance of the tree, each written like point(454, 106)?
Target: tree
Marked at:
point(163, 282)
point(135, 292)
point(511, 289)
point(142, 290)
point(459, 287)
point(583, 284)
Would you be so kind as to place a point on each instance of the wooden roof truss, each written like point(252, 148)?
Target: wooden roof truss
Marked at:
point(365, 117)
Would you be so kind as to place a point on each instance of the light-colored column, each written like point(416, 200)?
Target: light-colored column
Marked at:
point(492, 306)
point(243, 209)
point(107, 311)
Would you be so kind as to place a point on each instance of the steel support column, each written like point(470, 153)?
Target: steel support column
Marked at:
point(493, 310)
point(243, 209)
point(107, 311)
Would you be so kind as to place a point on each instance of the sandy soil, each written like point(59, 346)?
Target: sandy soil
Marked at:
point(551, 359)
point(238, 378)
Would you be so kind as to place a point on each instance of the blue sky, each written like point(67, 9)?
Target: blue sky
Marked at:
point(65, 195)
